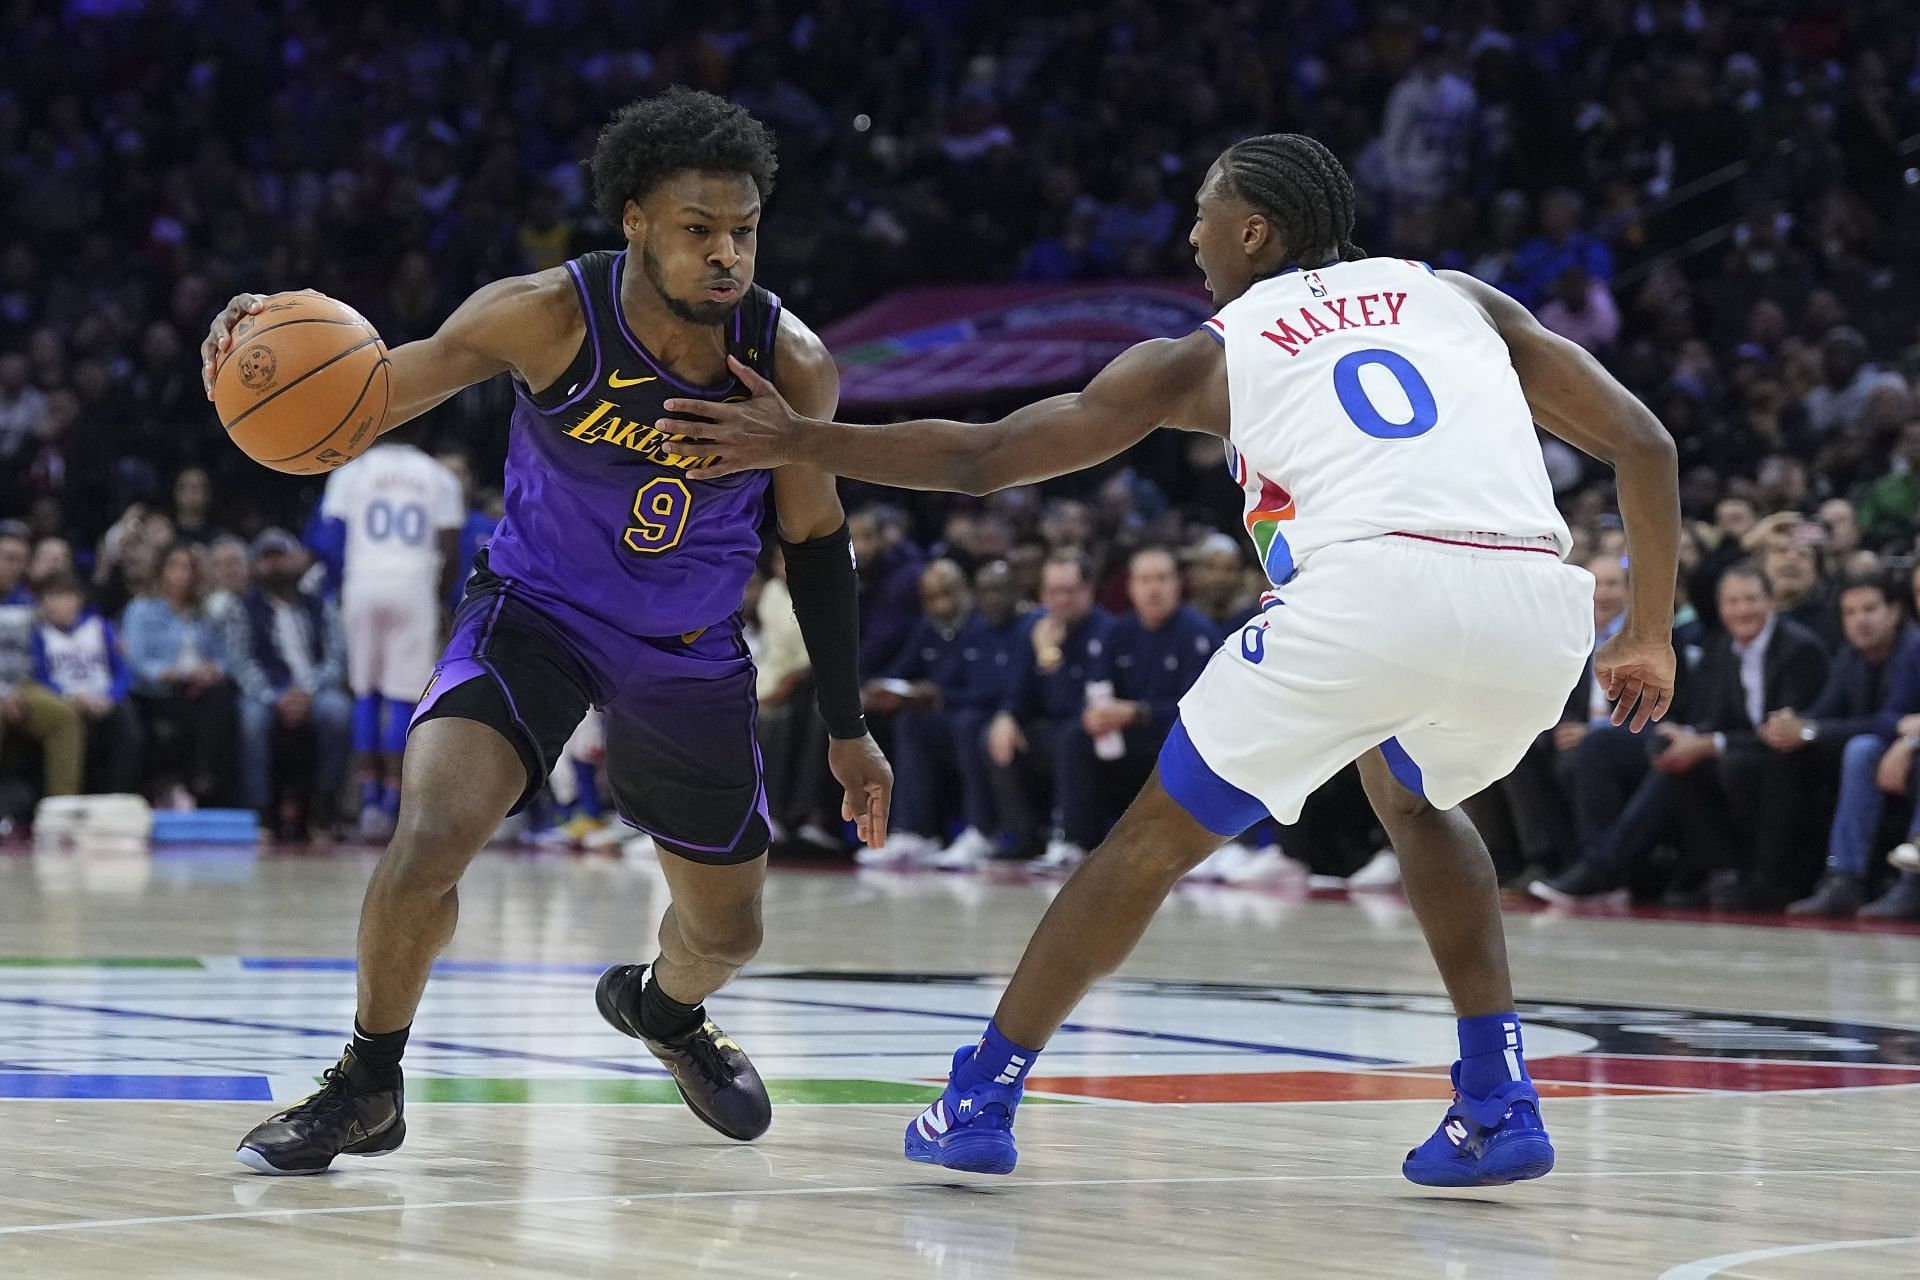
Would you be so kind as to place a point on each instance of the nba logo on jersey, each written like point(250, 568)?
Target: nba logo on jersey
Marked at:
point(1314, 286)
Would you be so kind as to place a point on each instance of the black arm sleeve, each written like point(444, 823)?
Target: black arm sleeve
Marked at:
point(826, 602)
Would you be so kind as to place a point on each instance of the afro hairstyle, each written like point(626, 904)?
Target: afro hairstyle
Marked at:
point(651, 139)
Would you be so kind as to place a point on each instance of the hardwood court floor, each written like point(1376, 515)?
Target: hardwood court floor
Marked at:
point(1728, 1100)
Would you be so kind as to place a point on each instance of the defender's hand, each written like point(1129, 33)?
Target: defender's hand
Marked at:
point(867, 778)
point(743, 435)
point(1638, 678)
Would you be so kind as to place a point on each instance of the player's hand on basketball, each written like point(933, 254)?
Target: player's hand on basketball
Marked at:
point(220, 333)
point(867, 779)
point(1638, 678)
point(742, 435)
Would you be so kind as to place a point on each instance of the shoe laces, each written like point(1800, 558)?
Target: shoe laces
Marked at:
point(332, 1095)
point(708, 1059)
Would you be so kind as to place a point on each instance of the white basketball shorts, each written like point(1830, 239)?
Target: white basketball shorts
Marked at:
point(1450, 651)
point(393, 640)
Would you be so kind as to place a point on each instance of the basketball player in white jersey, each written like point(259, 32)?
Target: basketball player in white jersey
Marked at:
point(1380, 418)
point(401, 512)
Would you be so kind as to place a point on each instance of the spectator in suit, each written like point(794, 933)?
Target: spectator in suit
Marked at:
point(289, 658)
point(889, 565)
point(1044, 697)
point(76, 653)
point(1798, 591)
point(1735, 803)
point(1135, 680)
point(1877, 759)
point(939, 715)
point(180, 685)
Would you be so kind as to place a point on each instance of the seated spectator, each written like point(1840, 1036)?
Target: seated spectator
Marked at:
point(1866, 722)
point(1218, 584)
point(939, 711)
point(29, 711)
point(1046, 693)
point(180, 686)
point(889, 565)
point(1885, 508)
point(1842, 527)
point(229, 576)
point(1847, 379)
point(1135, 679)
point(1798, 593)
point(52, 558)
point(76, 653)
point(1582, 310)
point(289, 658)
point(1737, 805)
point(1559, 244)
point(192, 500)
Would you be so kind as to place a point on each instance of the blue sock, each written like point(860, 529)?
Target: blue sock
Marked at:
point(390, 799)
point(1490, 1053)
point(998, 1060)
point(366, 723)
point(369, 792)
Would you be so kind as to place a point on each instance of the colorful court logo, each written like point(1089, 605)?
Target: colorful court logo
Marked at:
point(261, 1028)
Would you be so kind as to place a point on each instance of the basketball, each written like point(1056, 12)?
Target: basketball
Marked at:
point(304, 387)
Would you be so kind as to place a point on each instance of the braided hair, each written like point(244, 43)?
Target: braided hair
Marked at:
point(1298, 184)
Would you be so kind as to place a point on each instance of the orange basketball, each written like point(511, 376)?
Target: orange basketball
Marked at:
point(304, 387)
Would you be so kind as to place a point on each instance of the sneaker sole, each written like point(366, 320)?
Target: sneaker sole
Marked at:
point(967, 1154)
point(257, 1162)
point(1520, 1161)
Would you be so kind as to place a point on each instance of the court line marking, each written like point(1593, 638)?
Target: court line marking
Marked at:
point(1706, 1267)
point(245, 1024)
point(100, 1224)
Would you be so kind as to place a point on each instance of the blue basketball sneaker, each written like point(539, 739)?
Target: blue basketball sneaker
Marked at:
point(970, 1128)
point(1484, 1142)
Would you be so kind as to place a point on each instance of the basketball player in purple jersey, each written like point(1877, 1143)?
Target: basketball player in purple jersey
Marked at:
point(614, 581)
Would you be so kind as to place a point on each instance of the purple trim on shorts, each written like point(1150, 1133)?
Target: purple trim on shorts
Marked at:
point(620, 316)
point(593, 379)
point(471, 668)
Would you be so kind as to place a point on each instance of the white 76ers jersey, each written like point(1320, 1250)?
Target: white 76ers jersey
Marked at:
point(1371, 398)
point(394, 500)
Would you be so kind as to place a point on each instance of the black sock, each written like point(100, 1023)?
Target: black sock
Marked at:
point(664, 1018)
point(380, 1054)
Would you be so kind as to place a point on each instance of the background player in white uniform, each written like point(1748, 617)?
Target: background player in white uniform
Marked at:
point(401, 513)
point(1381, 419)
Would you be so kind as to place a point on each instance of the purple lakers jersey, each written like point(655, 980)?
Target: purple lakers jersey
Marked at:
point(600, 514)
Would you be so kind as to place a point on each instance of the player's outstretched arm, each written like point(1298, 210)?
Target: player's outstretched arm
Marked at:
point(1574, 397)
point(1166, 382)
point(529, 324)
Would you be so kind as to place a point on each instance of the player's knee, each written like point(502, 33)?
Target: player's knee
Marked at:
point(1150, 858)
point(732, 941)
point(429, 851)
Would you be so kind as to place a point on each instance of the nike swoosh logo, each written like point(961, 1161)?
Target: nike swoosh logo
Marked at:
point(615, 380)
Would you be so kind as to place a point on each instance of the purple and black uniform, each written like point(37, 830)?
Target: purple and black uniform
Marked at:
point(614, 581)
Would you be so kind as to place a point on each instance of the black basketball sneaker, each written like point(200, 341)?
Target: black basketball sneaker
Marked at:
point(714, 1077)
point(349, 1115)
